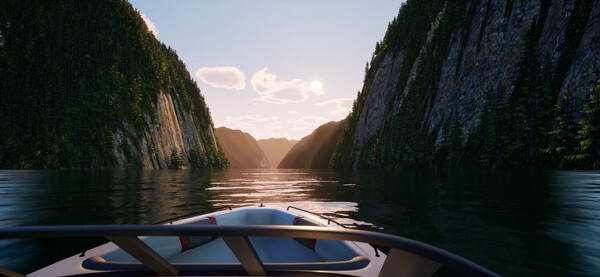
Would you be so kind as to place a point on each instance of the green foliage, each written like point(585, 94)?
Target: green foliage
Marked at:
point(451, 148)
point(73, 73)
point(403, 142)
point(530, 107)
point(563, 144)
point(176, 161)
point(588, 151)
point(523, 129)
point(490, 131)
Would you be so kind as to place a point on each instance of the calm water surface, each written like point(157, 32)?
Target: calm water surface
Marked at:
point(515, 223)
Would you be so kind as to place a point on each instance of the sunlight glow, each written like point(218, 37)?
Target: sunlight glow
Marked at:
point(316, 86)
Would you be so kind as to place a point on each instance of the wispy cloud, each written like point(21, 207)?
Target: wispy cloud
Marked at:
point(150, 25)
point(222, 77)
point(342, 105)
point(274, 91)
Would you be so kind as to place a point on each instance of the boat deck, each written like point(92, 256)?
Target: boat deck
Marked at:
point(259, 250)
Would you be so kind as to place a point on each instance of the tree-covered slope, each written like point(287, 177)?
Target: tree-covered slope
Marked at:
point(314, 150)
point(84, 84)
point(241, 149)
point(477, 83)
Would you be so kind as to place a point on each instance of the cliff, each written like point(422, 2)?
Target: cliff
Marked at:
point(429, 91)
point(314, 150)
point(170, 140)
point(275, 149)
point(86, 85)
point(241, 149)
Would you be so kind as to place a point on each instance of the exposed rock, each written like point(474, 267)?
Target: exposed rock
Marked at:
point(482, 55)
point(173, 134)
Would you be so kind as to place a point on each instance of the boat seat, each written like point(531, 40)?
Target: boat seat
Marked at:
point(212, 253)
point(188, 242)
point(275, 253)
point(302, 221)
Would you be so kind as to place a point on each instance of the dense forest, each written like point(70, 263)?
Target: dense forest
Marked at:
point(314, 150)
point(523, 125)
point(74, 73)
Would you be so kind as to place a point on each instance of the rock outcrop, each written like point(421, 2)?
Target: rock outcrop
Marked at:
point(172, 140)
point(87, 85)
point(420, 83)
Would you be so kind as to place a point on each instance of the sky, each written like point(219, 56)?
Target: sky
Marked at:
point(273, 68)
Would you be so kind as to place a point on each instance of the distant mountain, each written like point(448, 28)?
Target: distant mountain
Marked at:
point(241, 149)
point(314, 150)
point(276, 148)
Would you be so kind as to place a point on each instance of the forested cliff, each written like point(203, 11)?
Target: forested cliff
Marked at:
point(480, 83)
point(84, 84)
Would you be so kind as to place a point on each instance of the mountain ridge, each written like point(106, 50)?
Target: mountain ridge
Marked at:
point(241, 149)
point(275, 149)
point(475, 83)
point(314, 150)
point(102, 93)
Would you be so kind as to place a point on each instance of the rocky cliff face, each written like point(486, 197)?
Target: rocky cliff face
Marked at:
point(96, 89)
point(470, 48)
point(493, 45)
point(172, 140)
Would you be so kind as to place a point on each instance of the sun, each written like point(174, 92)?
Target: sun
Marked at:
point(316, 87)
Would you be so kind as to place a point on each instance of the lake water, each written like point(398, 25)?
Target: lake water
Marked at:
point(516, 223)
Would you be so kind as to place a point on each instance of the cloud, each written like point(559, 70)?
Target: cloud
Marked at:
point(222, 77)
point(281, 92)
point(150, 24)
point(340, 105)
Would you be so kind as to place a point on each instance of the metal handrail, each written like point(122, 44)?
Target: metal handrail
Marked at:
point(170, 220)
point(406, 245)
point(329, 220)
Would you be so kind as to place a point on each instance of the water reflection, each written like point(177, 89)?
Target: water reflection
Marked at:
point(520, 223)
point(576, 219)
point(242, 187)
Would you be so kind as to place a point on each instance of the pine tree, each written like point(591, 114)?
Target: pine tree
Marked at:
point(490, 128)
point(589, 134)
point(564, 141)
point(451, 148)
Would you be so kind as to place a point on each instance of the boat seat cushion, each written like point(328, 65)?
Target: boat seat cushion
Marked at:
point(188, 242)
point(302, 221)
